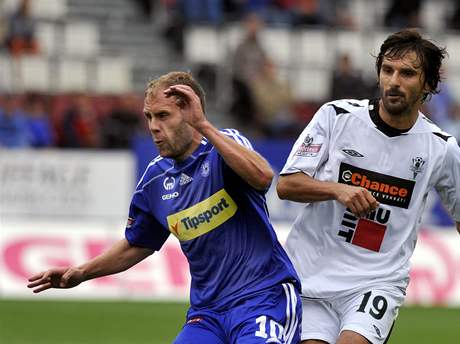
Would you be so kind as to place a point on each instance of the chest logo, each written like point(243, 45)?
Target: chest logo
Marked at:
point(385, 188)
point(169, 183)
point(205, 169)
point(417, 166)
point(353, 153)
point(202, 217)
point(184, 179)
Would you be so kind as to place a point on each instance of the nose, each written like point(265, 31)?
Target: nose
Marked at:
point(394, 79)
point(153, 125)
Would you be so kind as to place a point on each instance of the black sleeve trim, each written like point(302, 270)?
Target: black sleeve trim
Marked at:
point(442, 136)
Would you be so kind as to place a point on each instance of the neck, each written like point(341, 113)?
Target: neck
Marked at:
point(402, 121)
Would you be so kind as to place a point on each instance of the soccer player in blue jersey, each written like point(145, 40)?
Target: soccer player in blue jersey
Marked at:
point(206, 188)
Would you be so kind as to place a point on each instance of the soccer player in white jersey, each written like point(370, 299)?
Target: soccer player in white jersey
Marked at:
point(364, 169)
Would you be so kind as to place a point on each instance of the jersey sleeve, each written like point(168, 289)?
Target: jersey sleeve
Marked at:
point(142, 228)
point(310, 150)
point(229, 175)
point(448, 185)
point(238, 137)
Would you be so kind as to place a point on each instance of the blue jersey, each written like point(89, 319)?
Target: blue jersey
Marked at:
point(221, 222)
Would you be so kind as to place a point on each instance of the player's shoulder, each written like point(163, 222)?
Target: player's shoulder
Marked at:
point(155, 169)
point(428, 126)
point(237, 136)
point(346, 106)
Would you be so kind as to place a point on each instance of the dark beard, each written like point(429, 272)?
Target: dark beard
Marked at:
point(395, 109)
point(398, 109)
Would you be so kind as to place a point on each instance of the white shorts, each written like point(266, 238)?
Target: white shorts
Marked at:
point(370, 312)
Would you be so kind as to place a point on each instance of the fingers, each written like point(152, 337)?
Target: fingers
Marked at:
point(39, 279)
point(360, 201)
point(43, 287)
point(182, 91)
point(36, 277)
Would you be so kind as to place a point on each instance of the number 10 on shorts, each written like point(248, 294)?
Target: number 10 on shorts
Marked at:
point(276, 330)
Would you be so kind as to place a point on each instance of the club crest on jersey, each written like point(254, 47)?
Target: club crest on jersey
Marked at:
point(169, 183)
point(202, 217)
point(307, 148)
point(205, 169)
point(417, 166)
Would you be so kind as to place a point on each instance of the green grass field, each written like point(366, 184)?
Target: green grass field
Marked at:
point(63, 322)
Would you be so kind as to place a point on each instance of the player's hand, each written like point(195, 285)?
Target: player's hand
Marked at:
point(358, 199)
point(68, 277)
point(190, 104)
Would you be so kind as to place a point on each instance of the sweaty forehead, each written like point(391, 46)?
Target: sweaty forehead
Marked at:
point(155, 99)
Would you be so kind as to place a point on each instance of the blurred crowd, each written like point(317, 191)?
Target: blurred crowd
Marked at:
point(70, 121)
point(262, 103)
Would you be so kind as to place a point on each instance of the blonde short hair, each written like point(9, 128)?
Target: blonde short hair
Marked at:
point(176, 78)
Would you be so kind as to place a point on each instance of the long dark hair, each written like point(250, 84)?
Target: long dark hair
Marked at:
point(430, 55)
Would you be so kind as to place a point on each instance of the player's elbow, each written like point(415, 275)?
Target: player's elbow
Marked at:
point(263, 180)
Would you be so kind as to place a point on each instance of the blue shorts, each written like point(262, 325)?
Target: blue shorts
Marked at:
point(272, 316)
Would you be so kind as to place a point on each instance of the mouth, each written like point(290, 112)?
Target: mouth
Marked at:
point(394, 95)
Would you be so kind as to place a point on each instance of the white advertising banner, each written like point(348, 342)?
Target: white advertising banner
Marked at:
point(27, 248)
point(73, 183)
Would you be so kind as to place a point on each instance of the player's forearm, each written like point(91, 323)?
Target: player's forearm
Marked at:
point(249, 165)
point(299, 187)
point(121, 256)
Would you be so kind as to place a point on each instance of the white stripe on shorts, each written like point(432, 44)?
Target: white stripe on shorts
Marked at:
point(291, 316)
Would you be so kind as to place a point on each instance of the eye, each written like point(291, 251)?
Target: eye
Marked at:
point(162, 115)
point(386, 69)
point(408, 72)
point(148, 115)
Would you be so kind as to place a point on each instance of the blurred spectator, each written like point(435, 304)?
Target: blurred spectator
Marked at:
point(273, 103)
point(40, 130)
point(79, 127)
point(146, 7)
point(123, 123)
point(272, 12)
point(249, 56)
point(441, 107)
point(307, 12)
point(347, 83)
point(20, 36)
point(174, 26)
point(13, 124)
point(322, 12)
point(402, 14)
point(454, 20)
point(203, 11)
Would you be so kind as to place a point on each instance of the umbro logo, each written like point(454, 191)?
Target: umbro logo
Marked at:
point(377, 331)
point(184, 179)
point(352, 153)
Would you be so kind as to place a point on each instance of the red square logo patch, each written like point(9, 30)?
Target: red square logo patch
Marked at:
point(369, 234)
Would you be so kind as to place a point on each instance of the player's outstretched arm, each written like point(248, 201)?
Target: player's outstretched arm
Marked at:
point(119, 257)
point(300, 187)
point(248, 164)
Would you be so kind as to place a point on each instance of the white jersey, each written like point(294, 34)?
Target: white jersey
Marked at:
point(347, 142)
